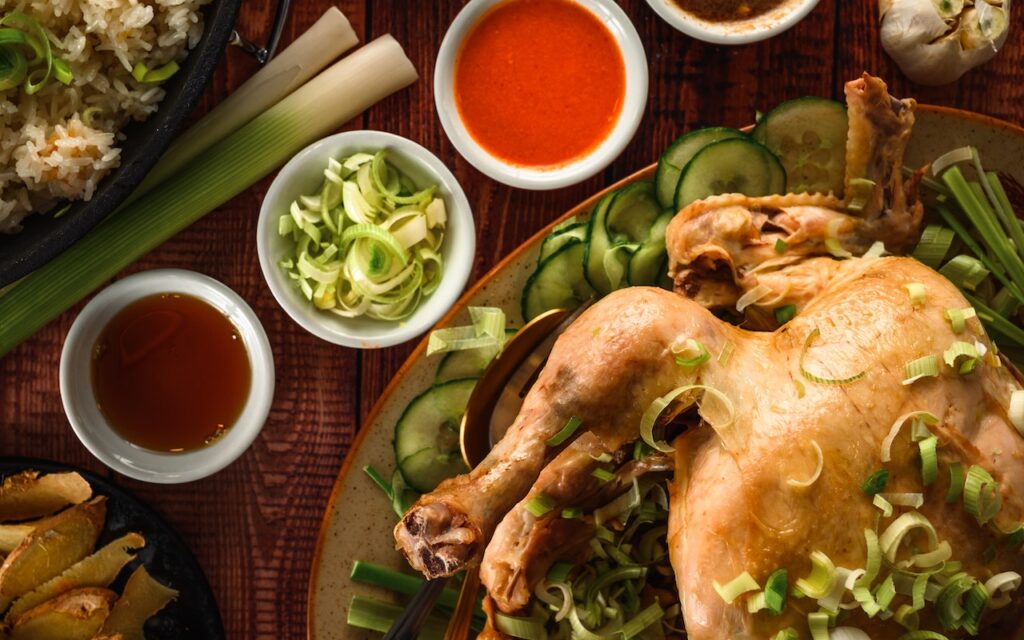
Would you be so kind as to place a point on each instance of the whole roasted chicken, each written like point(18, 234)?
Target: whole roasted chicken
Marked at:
point(791, 424)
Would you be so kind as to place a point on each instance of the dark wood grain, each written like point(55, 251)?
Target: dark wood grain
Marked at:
point(254, 525)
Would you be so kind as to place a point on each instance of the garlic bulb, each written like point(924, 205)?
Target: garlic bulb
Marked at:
point(937, 41)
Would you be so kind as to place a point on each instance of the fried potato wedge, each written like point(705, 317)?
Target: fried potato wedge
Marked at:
point(11, 535)
point(143, 597)
point(54, 545)
point(74, 615)
point(98, 570)
point(27, 495)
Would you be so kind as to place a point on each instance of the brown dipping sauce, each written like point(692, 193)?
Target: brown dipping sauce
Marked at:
point(170, 373)
point(727, 10)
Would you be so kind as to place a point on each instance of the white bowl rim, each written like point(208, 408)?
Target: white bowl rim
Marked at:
point(95, 432)
point(635, 101)
point(719, 33)
point(457, 267)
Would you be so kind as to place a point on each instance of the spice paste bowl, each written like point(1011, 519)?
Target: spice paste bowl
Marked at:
point(575, 171)
point(761, 27)
point(95, 431)
point(302, 175)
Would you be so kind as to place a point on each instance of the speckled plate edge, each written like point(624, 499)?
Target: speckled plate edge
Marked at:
point(358, 521)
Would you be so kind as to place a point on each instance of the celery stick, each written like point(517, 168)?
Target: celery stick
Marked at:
point(369, 613)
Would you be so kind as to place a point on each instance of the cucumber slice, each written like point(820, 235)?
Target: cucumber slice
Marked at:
point(596, 244)
point(809, 137)
point(733, 165)
point(632, 213)
point(427, 435)
point(558, 283)
point(679, 153)
point(468, 363)
point(647, 265)
point(560, 237)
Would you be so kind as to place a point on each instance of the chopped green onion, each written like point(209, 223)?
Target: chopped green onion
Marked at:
point(999, 587)
point(641, 621)
point(934, 245)
point(948, 605)
point(1015, 413)
point(876, 250)
point(876, 482)
point(894, 534)
point(743, 583)
point(939, 555)
point(981, 494)
point(789, 633)
point(620, 506)
point(604, 456)
point(817, 622)
point(821, 579)
point(603, 475)
point(924, 367)
point(848, 633)
point(524, 628)
point(924, 416)
point(819, 379)
point(776, 591)
point(956, 482)
point(13, 65)
point(61, 71)
point(960, 349)
point(965, 271)
point(650, 417)
point(929, 460)
point(756, 602)
point(540, 505)
point(819, 465)
point(781, 246)
point(559, 572)
point(572, 513)
point(145, 75)
point(882, 503)
point(918, 293)
point(885, 592)
point(564, 433)
point(975, 603)
point(1016, 537)
point(691, 354)
point(832, 242)
point(907, 616)
point(948, 159)
point(860, 192)
point(912, 500)
point(958, 318)
point(785, 313)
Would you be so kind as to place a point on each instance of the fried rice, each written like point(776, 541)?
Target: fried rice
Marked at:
point(59, 143)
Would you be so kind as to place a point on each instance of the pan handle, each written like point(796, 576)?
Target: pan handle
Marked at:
point(264, 53)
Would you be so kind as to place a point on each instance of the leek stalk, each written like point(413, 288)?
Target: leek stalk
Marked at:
point(329, 37)
point(376, 615)
point(323, 104)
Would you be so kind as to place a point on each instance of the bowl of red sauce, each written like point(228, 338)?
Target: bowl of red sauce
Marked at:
point(541, 94)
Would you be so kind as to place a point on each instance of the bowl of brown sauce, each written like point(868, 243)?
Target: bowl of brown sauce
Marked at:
point(167, 376)
point(732, 21)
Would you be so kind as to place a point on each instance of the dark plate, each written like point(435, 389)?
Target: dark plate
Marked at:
point(194, 615)
point(44, 237)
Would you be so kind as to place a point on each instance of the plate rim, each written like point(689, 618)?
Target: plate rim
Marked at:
point(463, 302)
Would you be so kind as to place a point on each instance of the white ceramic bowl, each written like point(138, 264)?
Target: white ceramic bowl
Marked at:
point(634, 58)
point(761, 27)
point(303, 175)
point(91, 426)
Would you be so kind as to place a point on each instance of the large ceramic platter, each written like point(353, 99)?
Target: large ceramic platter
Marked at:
point(358, 522)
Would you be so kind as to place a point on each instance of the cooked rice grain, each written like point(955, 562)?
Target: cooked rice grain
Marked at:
point(60, 142)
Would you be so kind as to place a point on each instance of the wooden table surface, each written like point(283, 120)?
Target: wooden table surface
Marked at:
point(254, 525)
